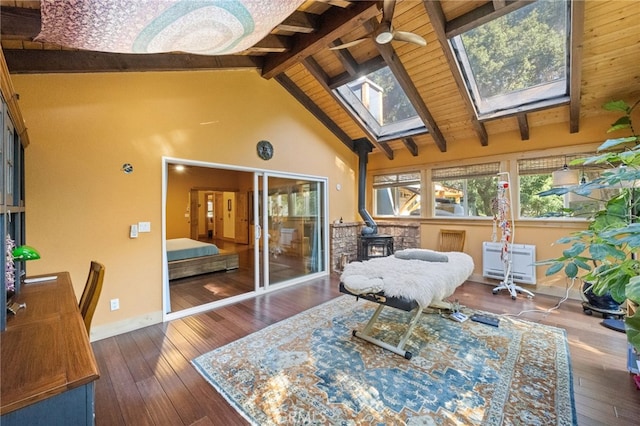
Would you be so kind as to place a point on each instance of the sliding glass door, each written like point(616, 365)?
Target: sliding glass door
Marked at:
point(270, 229)
point(292, 220)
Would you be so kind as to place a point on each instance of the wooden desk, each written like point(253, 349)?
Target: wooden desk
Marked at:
point(47, 369)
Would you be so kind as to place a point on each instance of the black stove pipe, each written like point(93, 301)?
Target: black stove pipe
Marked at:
point(364, 147)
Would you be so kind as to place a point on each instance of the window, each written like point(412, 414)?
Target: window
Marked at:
point(518, 61)
point(304, 200)
point(381, 104)
point(295, 200)
point(535, 176)
point(397, 194)
point(465, 191)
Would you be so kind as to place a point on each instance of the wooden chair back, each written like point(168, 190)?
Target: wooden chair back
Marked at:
point(91, 293)
point(451, 240)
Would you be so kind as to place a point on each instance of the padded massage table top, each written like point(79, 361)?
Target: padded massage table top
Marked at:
point(416, 281)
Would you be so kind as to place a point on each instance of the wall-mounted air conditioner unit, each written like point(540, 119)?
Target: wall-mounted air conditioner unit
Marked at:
point(523, 262)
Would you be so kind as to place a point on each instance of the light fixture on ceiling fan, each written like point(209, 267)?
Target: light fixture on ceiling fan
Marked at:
point(384, 32)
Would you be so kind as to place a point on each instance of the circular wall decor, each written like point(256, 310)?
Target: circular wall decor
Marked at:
point(265, 150)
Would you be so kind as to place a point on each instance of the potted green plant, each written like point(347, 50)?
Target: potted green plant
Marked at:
point(606, 253)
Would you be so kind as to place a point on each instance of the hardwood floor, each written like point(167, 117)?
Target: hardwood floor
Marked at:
point(147, 379)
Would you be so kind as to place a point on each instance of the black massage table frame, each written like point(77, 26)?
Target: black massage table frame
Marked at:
point(394, 302)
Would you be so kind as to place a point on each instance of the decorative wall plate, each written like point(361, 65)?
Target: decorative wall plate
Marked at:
point(265, 150)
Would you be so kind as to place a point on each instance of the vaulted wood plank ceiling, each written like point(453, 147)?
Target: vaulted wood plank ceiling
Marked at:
point(606, 45)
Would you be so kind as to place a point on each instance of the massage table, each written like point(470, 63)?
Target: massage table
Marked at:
point(410, 280)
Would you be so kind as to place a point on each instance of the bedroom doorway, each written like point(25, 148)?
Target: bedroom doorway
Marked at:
point(230, 210)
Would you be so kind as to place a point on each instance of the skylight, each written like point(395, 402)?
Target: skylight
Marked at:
point(381, 104)
point(519, 61)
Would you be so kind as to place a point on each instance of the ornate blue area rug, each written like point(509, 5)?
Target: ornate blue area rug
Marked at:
point(309, 369)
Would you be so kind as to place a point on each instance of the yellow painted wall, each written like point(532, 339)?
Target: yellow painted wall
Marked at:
point(506, 148)
point(83, 127)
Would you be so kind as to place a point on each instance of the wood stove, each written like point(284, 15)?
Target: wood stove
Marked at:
point(377, 245)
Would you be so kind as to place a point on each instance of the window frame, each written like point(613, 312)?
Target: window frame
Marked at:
point(381, 133)
point(460, 172)
point(518, 101)
point(549, 164)
point(397, 183)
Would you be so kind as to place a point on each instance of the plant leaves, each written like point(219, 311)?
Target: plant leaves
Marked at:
point(571, 270)
point(599, 251)
point(633, 289)
point(574, 250)
point(611, 143)
point(561, 190)
point(616, 106)
point(621, 123)
point(632, 325)
point(555, 268)
point(582, 264)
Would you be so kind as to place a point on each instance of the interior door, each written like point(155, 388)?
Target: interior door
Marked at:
point(242, 218)
point(194, 221)
point(218, 212)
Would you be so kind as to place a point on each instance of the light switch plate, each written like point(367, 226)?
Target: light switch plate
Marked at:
point(144, 226)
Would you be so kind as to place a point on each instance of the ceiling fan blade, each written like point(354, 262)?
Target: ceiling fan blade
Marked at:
point(348, 44)
point(388, 7)
point(409, 37)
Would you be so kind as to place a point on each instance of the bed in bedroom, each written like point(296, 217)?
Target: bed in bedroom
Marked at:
point(189, 257)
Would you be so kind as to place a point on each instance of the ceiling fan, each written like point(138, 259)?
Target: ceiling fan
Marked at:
point(384, 32)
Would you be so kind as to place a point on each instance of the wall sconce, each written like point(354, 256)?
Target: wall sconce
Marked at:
point(229, 204)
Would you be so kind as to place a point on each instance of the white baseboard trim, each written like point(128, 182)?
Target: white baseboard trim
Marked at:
point(125, 326)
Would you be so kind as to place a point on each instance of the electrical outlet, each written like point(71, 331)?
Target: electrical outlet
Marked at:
point(115, 304)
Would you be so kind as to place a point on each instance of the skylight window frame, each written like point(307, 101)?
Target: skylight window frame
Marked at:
point(560, 89)
point(381, 133)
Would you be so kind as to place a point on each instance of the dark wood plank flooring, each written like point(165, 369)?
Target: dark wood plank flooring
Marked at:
point(206, 288)
point(147, 379)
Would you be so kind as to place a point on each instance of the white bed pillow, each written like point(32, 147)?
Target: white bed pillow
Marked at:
point(421, 254)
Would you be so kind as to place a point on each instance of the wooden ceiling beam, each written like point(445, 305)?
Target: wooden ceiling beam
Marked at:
point(332, 25)
point(22, 61)
point(410, 144)
point(19, 23)
point(401, 74)
point(363, 69)
point(270, 44)
point(321, 77)
point(575, 83)
point(314, 109)
point(439, 23)
point(483, 14)
point(299, 22)
point(346, 59)
point(523, 124)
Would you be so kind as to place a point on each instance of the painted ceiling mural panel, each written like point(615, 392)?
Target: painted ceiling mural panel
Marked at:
point(213, 27)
